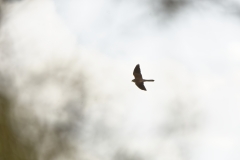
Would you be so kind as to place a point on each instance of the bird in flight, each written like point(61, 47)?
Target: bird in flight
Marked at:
point(139, 81)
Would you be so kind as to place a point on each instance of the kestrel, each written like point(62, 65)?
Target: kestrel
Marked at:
point(138, 78)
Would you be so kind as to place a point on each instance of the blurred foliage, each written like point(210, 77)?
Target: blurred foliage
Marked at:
point(172, 8)
point(48, 142)
point(11, 147)
point(25, 137)
point(11, 0)
point(1, 3)
point(124, 155)
point(169, 8)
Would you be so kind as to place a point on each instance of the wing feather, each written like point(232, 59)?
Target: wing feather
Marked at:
point(137, 72)
point(141, 86)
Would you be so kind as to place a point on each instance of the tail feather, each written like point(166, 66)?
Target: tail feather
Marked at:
point(149, 80)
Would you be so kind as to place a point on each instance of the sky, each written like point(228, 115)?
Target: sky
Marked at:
point(194, 60)
point(199, 50)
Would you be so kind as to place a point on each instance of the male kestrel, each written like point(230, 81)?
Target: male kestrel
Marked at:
point(138, 78)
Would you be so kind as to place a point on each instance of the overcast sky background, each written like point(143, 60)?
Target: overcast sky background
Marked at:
point(202, 48)
point(193, 58)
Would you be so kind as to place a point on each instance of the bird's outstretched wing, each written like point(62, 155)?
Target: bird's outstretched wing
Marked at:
point(141, 86)
point(137, 72)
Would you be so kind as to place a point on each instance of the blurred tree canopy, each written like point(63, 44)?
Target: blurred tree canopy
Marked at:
point(15, 146)
point(11, 145)
point(171, 8)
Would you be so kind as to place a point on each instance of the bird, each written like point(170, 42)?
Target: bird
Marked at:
point(139, 81)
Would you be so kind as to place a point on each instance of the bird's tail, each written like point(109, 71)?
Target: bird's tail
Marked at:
point(149, 80)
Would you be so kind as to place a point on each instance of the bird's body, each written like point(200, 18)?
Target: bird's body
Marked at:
point(139, 81)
